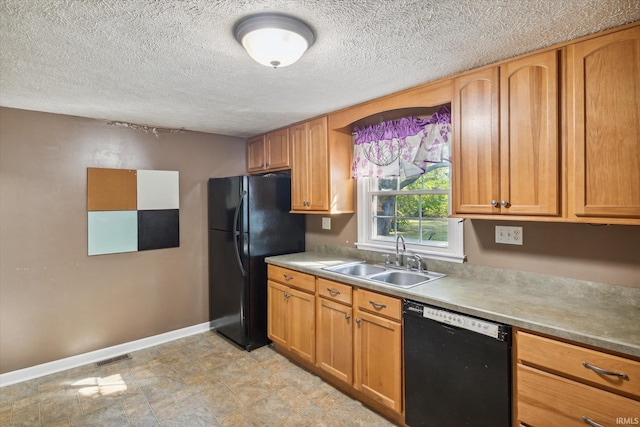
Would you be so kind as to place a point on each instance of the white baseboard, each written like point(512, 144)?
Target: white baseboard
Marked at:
point(48, 368)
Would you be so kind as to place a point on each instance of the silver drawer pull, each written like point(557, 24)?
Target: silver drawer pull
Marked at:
point(286, 295)
point(287, 277)
point(605, 372)
point(591, 422)
point(377, 304)
point(333, 292)
point(346, 316)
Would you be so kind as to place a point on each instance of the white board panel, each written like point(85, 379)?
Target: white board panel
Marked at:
point(158, 190)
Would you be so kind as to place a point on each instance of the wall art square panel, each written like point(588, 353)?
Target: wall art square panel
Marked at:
point(111, 189)
point(158, 190)
point(132, 210)
point(112, 232)
point(158, 229)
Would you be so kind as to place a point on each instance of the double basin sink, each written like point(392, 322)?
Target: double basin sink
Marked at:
point(383, 274)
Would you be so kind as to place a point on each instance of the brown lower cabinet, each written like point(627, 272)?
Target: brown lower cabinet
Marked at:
point(334, 329)
point(357, 336)
point(378, 348)
point(555, 387)
point(291, 312)
point(352, 337)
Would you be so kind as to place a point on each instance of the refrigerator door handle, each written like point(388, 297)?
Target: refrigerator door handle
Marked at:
point(236, 232)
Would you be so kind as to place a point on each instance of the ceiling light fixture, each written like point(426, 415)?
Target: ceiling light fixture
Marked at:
point(274, 40)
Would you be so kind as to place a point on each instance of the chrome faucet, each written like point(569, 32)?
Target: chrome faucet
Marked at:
point(418, 260)
point(404, 249)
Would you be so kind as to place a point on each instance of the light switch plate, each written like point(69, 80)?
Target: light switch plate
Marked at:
point(326, 223)
point(509, 235)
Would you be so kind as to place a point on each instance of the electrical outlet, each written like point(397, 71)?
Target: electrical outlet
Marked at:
point(509, 235)
point(326, 223)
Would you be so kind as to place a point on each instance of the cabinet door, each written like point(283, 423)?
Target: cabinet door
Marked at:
point(278, 150)
point(299, 166)
point(302, 324)
point(256, 154)
point(529, 143)
point(335, 339)
point(476, 145)
point(278, 312)
point(378, 359)
point(318, 165)
point(604, 126)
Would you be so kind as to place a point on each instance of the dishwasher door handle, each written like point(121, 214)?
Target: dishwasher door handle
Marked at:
point(449, 329)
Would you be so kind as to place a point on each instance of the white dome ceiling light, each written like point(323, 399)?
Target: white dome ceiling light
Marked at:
point(274, 40)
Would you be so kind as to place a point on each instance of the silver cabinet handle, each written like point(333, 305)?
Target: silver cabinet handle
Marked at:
point(346, 316)
point(591, 422)
point(333, 292)
point(494, 203)
point(286, 295)
point(287, 277)
point(504, 203)
point(605, 372)
point(357, 321)
point(377, 304)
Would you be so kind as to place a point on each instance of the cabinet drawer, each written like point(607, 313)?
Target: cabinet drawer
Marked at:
point(295, 279)
point(567, 360)
point(549, 400)
point(376, 303)
point(334, 291)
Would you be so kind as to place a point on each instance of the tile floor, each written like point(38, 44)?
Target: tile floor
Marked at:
point(200, 380)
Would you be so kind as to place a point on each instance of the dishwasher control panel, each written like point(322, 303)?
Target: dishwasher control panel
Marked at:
point(463, 321)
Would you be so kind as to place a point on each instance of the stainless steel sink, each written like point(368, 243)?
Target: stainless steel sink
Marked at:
point(357, 269)
point(386, 275)
point(405, 279)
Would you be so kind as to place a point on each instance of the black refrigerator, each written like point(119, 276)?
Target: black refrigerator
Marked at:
point(249, 220)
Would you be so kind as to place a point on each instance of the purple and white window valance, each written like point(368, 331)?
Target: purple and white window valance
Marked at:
point(401, 147)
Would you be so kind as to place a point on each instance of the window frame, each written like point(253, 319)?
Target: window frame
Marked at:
point(453, 252)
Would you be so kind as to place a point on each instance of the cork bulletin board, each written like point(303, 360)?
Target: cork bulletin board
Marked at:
point(132, 210)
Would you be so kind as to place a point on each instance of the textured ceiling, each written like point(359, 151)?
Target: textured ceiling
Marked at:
point(176, 64)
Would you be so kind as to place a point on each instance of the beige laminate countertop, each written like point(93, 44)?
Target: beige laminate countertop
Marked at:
point(604, 316)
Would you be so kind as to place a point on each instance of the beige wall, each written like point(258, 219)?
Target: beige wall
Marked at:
point(55, 301)
point(605, 254)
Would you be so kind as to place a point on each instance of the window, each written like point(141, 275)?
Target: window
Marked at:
point(416, 208)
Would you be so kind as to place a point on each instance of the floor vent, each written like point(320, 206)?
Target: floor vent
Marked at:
point(113, 360)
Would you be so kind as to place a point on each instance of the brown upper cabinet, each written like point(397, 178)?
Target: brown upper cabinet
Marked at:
point(529, 136)
point(516, 154)
point(256, 153)
point(549, 136)
point(320, 181)
point(506, 138)
point(476, 143)
point(603, 141)
point(269, 152)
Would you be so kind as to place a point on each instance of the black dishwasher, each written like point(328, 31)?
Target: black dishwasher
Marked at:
point(457, 369)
